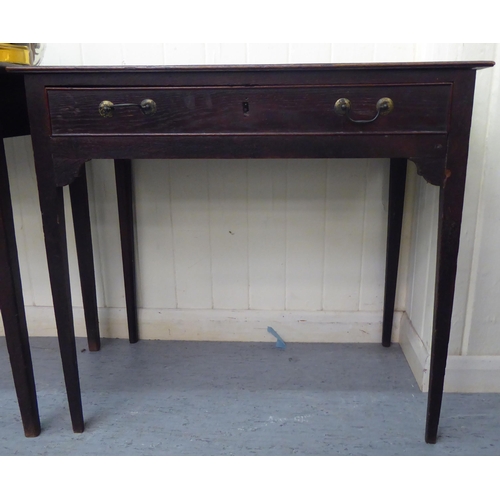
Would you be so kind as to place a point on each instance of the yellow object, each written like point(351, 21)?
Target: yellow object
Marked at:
point(14, 53)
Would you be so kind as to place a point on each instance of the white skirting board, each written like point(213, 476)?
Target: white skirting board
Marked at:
point(225, 325)
point(463, 373)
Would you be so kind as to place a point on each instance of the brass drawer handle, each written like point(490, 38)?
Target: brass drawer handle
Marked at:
point(343, 108)
point(106, 108)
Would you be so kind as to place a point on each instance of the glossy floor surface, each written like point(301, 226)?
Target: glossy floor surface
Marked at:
point(212, 398)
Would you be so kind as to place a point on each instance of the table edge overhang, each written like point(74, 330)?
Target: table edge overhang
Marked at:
point(400, 66)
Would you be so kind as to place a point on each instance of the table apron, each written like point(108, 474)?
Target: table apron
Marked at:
point(229, 146)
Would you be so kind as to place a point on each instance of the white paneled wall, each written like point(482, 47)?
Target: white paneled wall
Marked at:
point(228, 247)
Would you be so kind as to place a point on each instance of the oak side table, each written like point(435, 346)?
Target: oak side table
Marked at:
point(401, 111)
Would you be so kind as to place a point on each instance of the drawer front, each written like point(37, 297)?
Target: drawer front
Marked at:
point(244, 110)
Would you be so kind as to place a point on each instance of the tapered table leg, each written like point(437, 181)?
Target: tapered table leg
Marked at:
point(83, 238)
point(450, 218)
point(451, 201)
point(12, 308)
point(52, 208)
point(123, 174)
point(397, 184)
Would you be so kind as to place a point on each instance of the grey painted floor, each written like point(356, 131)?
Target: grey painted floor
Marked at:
point(195, 398)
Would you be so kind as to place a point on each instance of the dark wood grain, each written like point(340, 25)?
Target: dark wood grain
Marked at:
point(397, 186)
point(124, 192)
point(53, 220)
point(243, 146)
point(433, 170)
point(251, 75)
point(215, 110)
point(450, 219)
point(83, 238)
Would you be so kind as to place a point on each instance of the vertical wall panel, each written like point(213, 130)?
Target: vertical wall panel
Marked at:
point(74, 274)
point(423, 257)
point(191, 232)
point(484, 320)
point(227, 181)
point(95, 225)
point(468, 240)
point(154, 233)
point(267, 53)
point(310, 53)
point(352, 52)
point(267, 234)
point(28, 220)
point(394, 52)
point(438, 51)
point(431, 227)
point(99, 54)
point(225, 53)
point(140, 54)
point(409, 305)
point(184, 53)
point(102, 183)
point(305, 234)
point(60, 54)
point(374, 235)
point(405, 260)
point(345, 201)
point(17, 209)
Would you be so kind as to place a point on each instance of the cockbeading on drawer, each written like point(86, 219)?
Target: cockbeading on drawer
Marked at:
point(243, 110)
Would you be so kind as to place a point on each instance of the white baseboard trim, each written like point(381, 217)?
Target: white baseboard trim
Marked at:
point(472, 374)
point(220, 325)
point(415, 351)
point(463, 373)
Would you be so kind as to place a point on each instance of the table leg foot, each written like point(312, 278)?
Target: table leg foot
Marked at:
point(431, 436)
